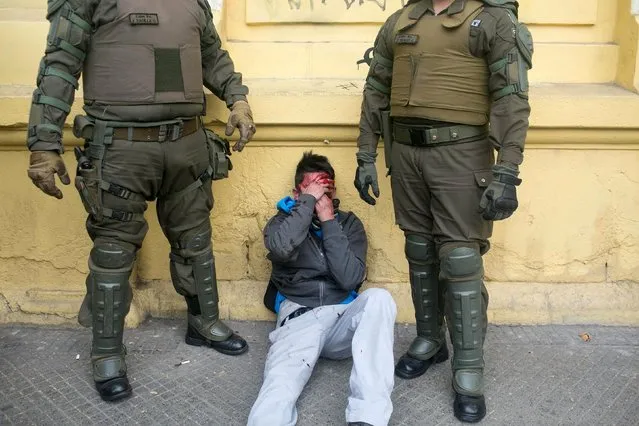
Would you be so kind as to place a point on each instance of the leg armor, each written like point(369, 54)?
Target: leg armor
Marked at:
point(85, 315)
point(466, 305)
point(110, 266)
point(193, 275)
point(428, 303)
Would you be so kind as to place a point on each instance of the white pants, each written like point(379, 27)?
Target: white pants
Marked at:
point(363, 329)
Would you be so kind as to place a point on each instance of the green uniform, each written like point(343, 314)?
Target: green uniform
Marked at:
point(455, 86)
point(143, 66)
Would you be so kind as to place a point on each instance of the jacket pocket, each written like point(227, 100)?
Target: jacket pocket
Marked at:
point(483, 177)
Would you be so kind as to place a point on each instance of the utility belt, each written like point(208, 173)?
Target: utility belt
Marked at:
point(162, 131)
point(159, 133)
point(428, 136)
point(100, 134)
point(296, 313)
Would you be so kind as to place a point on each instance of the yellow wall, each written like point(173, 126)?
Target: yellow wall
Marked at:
point(569, 255)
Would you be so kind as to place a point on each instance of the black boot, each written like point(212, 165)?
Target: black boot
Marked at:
point(469, 409)
point(234, 345)
point(114, 389)
point(409, 368)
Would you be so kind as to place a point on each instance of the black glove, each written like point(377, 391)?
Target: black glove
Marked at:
point(366, 177)
point(499, 200)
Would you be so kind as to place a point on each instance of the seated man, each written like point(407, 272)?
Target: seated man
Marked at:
point(319, 261)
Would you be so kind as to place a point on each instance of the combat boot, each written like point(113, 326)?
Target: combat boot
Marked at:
point(232, 345)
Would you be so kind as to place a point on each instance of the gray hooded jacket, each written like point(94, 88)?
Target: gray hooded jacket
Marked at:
point(312, 270)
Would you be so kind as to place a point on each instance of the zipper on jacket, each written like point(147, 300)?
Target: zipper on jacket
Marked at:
point(322, 283)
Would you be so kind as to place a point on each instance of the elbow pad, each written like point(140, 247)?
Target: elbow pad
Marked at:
point(68, 31)
point(513, 68)
point(386, 65)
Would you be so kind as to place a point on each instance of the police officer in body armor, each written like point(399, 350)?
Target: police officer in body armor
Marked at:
point(143, 64)
point(447, 85)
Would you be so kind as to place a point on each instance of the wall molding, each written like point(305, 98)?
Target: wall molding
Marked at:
point(290, 135)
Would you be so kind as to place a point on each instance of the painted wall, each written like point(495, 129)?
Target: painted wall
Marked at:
point(569, 255)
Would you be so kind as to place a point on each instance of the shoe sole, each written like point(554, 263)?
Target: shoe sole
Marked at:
point(437, 359)
point(117, 397)
point(470, 419)
point(199, 342)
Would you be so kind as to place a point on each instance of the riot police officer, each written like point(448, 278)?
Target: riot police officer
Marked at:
point(447, 86)
point(144, 65)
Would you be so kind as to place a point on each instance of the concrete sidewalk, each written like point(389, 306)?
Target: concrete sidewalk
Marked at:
point(541, 375)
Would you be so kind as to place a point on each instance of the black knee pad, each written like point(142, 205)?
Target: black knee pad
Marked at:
point(419, 249)
point(462, 264)
point(109, 255)
point(192, 243)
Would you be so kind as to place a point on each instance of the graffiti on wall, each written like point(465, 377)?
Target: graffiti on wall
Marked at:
point(300, 4)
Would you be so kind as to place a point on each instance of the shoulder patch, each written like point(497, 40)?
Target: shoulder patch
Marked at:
point(476, 23)
point(406, 39)
point(144, 19)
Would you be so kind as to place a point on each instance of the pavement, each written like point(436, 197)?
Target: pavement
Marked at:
point(537, 375)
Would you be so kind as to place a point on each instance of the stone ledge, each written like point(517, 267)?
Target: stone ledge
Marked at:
point(316, 111)
point(510, 303)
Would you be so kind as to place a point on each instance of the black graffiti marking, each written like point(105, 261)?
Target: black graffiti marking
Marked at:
point(297, 4)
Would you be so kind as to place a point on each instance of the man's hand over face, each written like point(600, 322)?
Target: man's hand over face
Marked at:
point(324, 208)
point(318, 187)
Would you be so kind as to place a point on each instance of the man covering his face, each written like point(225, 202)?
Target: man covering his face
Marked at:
point(318, 253)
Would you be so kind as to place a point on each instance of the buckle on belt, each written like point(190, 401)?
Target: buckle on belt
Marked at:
point(122, 216)
point(296, 313)
point(162, 131)
point(416, 137)
point(177, 130)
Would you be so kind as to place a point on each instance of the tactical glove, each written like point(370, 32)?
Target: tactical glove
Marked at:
point(499, 200)
point(242, 118)
point(43, 165)
point(366, 177)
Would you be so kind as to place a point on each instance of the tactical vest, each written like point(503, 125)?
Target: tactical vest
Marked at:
point(434, 74)
point(149, 54)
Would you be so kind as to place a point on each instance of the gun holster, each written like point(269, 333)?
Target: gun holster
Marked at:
point(87, 182)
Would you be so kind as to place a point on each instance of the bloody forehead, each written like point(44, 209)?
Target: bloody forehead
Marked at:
point(312, 176)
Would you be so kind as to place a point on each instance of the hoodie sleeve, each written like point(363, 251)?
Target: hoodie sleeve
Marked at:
point(284, 233)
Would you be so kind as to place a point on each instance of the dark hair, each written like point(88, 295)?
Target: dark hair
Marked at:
point(312, 163)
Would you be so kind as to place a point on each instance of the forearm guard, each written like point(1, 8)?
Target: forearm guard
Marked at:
point(60, 68)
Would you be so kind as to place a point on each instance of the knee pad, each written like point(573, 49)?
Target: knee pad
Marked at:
point(192, 243)
point(462, 264)
point(419, 249)
point(109, 255)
